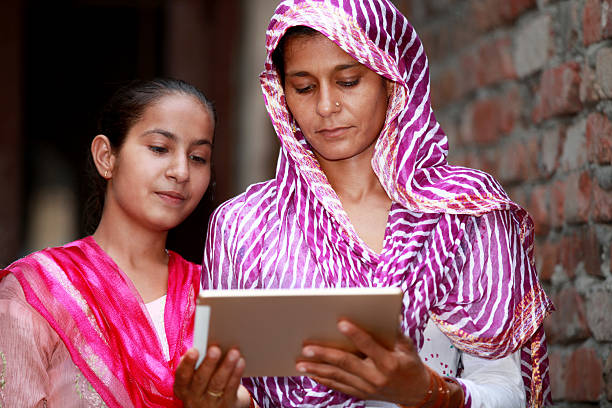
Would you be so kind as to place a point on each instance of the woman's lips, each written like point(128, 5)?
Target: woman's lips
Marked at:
point(333, 132)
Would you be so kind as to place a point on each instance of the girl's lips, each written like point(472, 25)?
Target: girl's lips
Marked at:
point(171, 197)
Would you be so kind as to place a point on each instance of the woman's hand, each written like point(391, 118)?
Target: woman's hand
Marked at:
point(396, 375)
point(215, 383)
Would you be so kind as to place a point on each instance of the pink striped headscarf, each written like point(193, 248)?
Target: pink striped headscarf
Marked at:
point(455, 243)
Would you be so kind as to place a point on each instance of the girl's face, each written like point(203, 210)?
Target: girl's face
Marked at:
point(339, 104)
point(162, 170)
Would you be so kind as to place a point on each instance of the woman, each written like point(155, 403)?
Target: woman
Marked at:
point(363, 196)
point(104, 321)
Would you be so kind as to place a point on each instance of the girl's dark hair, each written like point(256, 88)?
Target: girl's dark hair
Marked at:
point(124, 108)
point(278, 55)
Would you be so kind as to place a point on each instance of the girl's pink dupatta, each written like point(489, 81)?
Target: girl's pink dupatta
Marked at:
point(101, 318)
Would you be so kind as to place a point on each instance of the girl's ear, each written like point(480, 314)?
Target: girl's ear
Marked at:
point(103, 156)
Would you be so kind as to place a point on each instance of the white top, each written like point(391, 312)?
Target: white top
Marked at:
point(156, 311)
point(490, 383)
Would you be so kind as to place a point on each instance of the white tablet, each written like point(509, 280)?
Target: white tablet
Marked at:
point(270, 326)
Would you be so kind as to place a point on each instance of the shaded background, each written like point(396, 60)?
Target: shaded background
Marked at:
point(523, 88)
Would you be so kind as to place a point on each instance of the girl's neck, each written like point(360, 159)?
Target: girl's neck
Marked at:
point(135, 245)
point(139, 252)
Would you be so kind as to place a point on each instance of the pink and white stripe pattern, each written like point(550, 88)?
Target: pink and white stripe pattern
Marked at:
point(458, 247)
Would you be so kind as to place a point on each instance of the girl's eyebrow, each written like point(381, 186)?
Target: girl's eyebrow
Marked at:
point(162, 132)
point(173, 137)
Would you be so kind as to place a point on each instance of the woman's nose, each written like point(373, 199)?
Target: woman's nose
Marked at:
point(328, 102)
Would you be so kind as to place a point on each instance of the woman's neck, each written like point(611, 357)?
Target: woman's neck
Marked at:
point(352, 179)
point(139, 252)
point(362, 196)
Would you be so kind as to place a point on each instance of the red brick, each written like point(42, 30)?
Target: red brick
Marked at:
point(445, 88)
point(592, 31)
point(604, 72)
point(607, 17)
point(539, 208)
point(487, 162)
point(588, 85)
point(509, 108)
point(488, 119)
point(599, 139)
point(551, 146)
point(533, 156)
point(469, 65)
point(499, 65)
point(569, 322)
point(557, 362)
point(511, 9)
point(608, 377)
point(559, 92)
point(487, 13)
point(546, 257)
point(584, 377)
point(512, 163)
point(581, 247)
point(599, 305)
point(578, 201)
point(557, 204)
point(492, 13)
point(602, 204)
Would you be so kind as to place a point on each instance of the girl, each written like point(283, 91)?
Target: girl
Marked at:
point(104, 320)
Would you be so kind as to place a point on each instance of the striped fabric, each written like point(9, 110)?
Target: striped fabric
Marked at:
point(455, 243)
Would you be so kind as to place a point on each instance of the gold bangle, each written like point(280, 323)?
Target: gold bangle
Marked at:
point(438, 386)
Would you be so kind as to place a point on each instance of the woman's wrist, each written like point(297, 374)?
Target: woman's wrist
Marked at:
point(443, 392)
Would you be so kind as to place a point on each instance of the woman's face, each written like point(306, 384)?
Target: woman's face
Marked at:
point(339, 104)
point(163, 167)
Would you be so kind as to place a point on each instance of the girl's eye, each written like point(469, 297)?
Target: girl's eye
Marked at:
point(197, 159)
point(158, 149)
point(349, 84)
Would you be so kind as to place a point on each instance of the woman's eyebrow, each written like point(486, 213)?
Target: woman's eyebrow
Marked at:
point(346, 66)
point(339, 67)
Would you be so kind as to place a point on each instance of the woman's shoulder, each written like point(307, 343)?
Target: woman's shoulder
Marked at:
point(254, 199)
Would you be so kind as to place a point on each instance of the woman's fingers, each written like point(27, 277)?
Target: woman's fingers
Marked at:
point(337, 378)
point(344, 388)
point(363, 341)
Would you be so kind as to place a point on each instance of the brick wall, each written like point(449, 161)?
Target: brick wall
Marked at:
point(523, 88)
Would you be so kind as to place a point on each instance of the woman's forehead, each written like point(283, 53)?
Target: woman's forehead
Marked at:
point(315, 50)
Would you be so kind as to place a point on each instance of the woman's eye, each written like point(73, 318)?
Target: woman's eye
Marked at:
point(348, 84)
point(158, 149)
point(303, 90)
